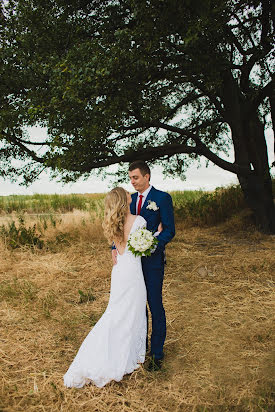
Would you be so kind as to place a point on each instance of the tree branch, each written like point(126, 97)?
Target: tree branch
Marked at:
point(151, 153)
point(30, 153)
point(246, 31)
point(202, 149)
point(187, 99)
point(33, 143)
point(249, 66)
point(208, 123)
point(241, 23)
point(210, 95)
point(264, 92)
point(238, 45)
point(148, 153)
point(257, 51)
point(236, 66)
point(267, 11)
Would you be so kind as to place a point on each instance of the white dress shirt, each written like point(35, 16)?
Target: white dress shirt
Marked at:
point(144, 194)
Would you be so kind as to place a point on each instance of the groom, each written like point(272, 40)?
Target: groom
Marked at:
point(156, 207)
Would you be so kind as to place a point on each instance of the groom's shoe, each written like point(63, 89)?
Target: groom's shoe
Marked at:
point(154, 365)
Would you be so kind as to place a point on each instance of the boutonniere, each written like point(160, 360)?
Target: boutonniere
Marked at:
point(152, 205)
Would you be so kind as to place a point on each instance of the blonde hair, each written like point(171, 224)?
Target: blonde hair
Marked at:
point(116, 207)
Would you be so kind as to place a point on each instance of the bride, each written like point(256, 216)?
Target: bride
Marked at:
point(117, 343)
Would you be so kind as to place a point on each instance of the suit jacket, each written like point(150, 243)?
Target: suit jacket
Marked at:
point(164, 214)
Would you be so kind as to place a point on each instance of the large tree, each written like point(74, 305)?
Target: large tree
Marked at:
point(161, 80)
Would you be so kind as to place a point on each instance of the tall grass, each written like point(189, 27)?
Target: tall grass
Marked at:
point(40, 203)
point(211, 207)
point(50, 232)
point(207, 208)
point(193, 207)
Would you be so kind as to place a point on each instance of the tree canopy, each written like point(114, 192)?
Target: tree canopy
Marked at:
point(114, 81)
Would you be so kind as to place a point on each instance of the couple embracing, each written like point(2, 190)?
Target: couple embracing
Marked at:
point(117, 343)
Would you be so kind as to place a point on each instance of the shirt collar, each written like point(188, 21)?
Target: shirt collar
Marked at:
point(145, 193)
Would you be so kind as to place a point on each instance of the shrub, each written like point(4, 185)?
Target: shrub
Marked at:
point(212, 208)
point(86, 297)
point(21, 236)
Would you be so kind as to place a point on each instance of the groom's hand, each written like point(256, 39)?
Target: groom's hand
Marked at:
point(114, 256)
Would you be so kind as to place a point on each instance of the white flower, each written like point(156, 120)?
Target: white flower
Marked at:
point(152, 205)
point(141, 242)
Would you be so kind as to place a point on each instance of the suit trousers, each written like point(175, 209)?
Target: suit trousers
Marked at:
point(153, 272)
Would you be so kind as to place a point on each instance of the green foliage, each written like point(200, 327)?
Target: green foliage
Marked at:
point(40, 203)
point(85, 297)
point(211, 208)
point(16, 236)
point(97, 204)
point(180, 198)
point(110, 79)
point(15, 289)
point(48, 303)
point(191, 207)
point(164, 81)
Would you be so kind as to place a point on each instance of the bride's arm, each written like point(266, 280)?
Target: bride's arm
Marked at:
point(114, 256)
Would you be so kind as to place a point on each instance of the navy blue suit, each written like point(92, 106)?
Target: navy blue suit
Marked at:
point(153, 266)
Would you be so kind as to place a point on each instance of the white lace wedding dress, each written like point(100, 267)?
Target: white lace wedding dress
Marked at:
point(117, 343)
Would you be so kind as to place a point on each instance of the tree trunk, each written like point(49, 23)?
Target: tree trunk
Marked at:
point(250, 152)
point(272, 106)
point(257, 187)
point(258, 195)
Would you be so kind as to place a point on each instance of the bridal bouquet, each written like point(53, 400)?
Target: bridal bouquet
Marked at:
point(142, 242)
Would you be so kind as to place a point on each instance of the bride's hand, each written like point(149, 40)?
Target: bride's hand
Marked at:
point(160, 228)
point(114, 256)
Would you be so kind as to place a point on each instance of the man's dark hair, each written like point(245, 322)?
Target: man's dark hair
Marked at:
point(142, 166)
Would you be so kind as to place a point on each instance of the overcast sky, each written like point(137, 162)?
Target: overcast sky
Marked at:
point(203, 178)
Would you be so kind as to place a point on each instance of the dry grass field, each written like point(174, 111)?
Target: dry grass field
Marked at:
point(219, 300)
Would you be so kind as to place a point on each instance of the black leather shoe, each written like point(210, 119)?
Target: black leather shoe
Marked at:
point(154, 365)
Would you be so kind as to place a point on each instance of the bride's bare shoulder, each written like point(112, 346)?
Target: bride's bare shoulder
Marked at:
point(130, 217)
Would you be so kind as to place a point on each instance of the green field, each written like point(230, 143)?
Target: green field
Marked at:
point(40, 203)
point(194, 206)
